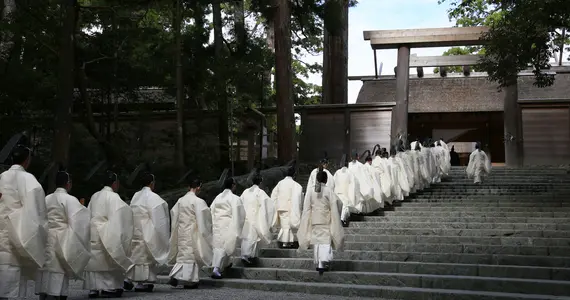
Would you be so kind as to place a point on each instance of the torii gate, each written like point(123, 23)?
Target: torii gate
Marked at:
point(405, 39)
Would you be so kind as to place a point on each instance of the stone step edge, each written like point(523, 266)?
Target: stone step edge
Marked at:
point(306, 252)
point(439, 244)
point(237, 265)
point(386, 292)
point(460, 236)
point(392, 222)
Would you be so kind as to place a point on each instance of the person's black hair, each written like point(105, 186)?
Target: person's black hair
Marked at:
point(477, 146)
point(321, 179)
point(111, 178)
point(378, 152)
point(62, 178)
point(195, 183)
point(324, 161)
point(354, 154)
point(418, 147)
point(146, 179)
point(392, 151)
point(20, 154)
point(368, 158)
point(291, 171)
point(438, 143)
point(257, 178)
point(229, 183)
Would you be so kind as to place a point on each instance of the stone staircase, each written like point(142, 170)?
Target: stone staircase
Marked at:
point(508, 238)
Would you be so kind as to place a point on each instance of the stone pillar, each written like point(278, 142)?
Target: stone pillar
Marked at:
point(512, 117)
point(400, 111)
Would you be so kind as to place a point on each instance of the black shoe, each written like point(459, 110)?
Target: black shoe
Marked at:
point(148, 288)
point(344, 223)
point(216, 276)
point(93, 294)
point(173, 282)
point(127, 285)
point(321, 270)
point(246, 261)
point(112, 294)
point(191, 286)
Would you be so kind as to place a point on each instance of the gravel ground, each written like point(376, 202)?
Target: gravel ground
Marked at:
point(165, 292)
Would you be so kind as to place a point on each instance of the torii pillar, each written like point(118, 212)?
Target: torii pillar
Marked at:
point(400, 111)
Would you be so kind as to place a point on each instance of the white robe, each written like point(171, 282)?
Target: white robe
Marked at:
point(228, 217)
point(381, 164)
point(346, 188)
point(405, 163)
point(375, 178)
point(430, 163)
point(400, 185)
point(151, 235)
point(259, 212)
point(446, 159)
point(320, 225)
point(287, 199)
point(365, 185)
point(68, 247)
point(111, 237)
point(419, 170)
point(190, 239)
point(23, 230)
point(313, 179)
point(438, 161)
point(479, 166)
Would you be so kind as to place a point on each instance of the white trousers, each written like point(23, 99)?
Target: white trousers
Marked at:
point(52, 283)
point(220, 260)
point(109, 280)
point(12, 283)
point(186, 272)
point(249, 248)
point(323, 255)
point(286, 234)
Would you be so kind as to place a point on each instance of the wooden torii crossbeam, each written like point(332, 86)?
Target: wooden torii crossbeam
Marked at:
point(425, 37)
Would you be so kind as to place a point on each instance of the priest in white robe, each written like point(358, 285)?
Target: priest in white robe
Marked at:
point(320, 225)
point(400, 187)
point(347, 189)
point(259, 212)
point(381, 165)
point(366, 188)
point(479, 165)
point(23, 226)
point(68, 248)
point(376, 179)
point(111, 237)
point(313, 176)
point(150, 243)
point(429, 163)
point(418, 168)
point(191, 238)
point(446, 158)
point(287, 199)
point(404, 161)
point(228, 216)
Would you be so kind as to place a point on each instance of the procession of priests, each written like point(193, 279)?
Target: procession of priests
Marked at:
point(113, 246)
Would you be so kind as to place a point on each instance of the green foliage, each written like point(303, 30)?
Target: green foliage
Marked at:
point(522, 33)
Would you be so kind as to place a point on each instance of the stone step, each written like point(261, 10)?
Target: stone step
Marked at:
point(531, 212)
point(460, 225)
point(474, 283)
point(436, 203)
point(434, 209)
point(479, 240)
point(482, 219)
point(375, 291)
point(441, 257)
point(455, 248)
point(460, 232)
point(525, 272)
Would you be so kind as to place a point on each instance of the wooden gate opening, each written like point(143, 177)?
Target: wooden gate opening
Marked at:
point(463, 129)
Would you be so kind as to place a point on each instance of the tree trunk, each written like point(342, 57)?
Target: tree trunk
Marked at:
point(63, 113)
point(335, 53)
point(6, 37)
point(270, 40)
point(239, 26)
point(223, 133)
point(284, 82)
point(179, 90)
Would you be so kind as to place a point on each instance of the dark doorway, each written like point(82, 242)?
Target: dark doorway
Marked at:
point(462, 129)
